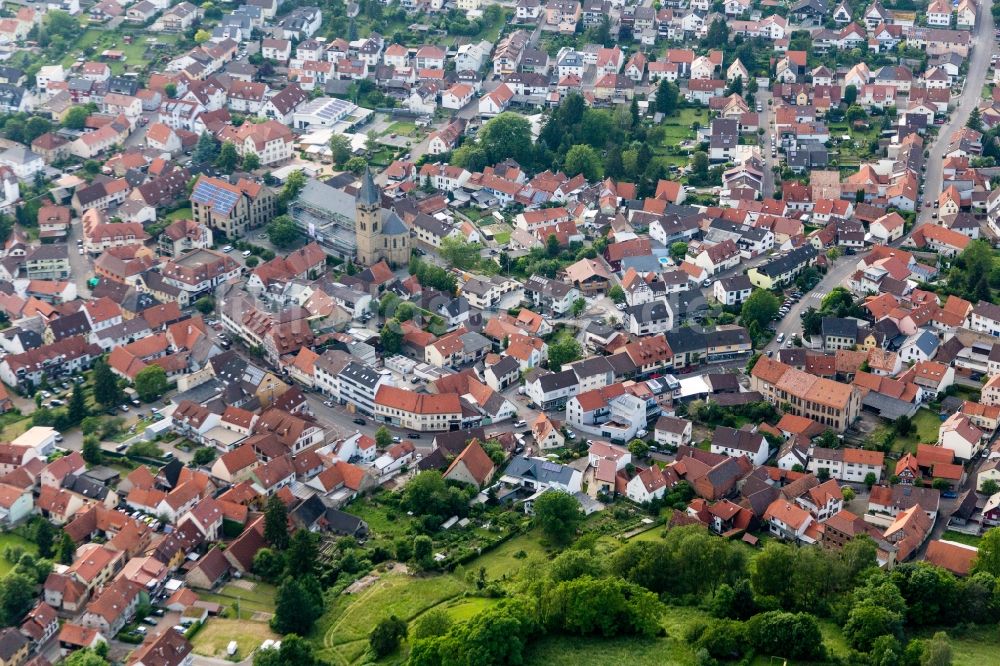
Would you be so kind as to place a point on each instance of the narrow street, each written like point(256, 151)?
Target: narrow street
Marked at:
point(983, 47)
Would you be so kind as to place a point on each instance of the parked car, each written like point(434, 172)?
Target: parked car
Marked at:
point(124, 408)
point(328, 403)
point(360, 421)
point(228, 248)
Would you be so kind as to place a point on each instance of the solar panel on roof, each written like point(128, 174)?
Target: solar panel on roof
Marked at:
point(551, 467)
point(220, 199)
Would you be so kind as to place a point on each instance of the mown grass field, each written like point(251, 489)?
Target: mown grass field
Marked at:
point(213, 639)
point(926, 424)
point(258, 600)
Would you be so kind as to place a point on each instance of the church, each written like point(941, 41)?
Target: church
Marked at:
point(380, 233)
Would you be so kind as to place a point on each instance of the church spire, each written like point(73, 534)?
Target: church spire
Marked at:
point(369, 194)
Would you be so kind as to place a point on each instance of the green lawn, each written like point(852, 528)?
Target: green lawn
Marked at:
point(258, 600)
point(180, 214)
point(958, 537)
point(501, 561)
point(401, 127)
point(502, 238)
point(213, 639)
point(8, 540)
point(382, 521)
point(926, 424)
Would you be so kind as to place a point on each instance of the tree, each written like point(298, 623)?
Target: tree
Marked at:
point(616, 294)
point(91, 451)
point(582, 159)
point(975, 121)
point(459, 253)
point(423, 551)
point(207, 149)
point(638, 448)
point(298, 603)
point(559, 515)
point(848, 493)
point(678, 250)
point(666, 97)
point(989, 487)
point(391, 337)
point(386, 636)
point(251, 162)
point(552, 245)
point(760, 308)
point(203, 455)
point(302, 553)
point(340, 148)
point(507, 135)
point(356, 165)
point(76, 411)
point(718, 34)
point(564, 351)
point(228, 158)
point(85, 657)
point(435, 622)
point(988, 559)
point(44, 536)
point(699, 164)
point(67, 549)
point(205, 304)
point(170, 90)
point(903, 426)
point(850, 94)
point(867, 622)
point(856, 113)
point(937, 651)
point(579, 305)
point(17, 595)
point(76, 118)
point(276, 523)
point(294, 183)
point(151, 382)
point(252, 262)
point(269, 564)
point(795, 636)
point(283, 232)
point(293, 650)
point(383, 438)
point(202, 36)
point(35, 127)
point(106, 391)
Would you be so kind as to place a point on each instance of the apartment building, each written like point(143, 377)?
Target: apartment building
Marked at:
point(825, 401)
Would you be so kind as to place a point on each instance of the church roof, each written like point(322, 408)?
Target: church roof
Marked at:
point(369, 193)
point(393, 226)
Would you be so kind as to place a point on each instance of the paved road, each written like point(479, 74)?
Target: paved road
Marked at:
point(835, 277)
point(767, 122)
point(982, 48)
point(80, 267)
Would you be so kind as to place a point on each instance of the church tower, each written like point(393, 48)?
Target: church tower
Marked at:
point(367, 218)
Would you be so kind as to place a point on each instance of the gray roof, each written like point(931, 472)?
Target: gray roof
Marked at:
point(369, 193)
point(557, 380)
point(359, 373)
point(540, 470)
point(926, 342)
point(393, 226)
point(839, 327)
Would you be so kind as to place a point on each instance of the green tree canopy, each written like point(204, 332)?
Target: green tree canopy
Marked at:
point(276, 523)
point(151, 382)
point(283, 232)
point(559, 515)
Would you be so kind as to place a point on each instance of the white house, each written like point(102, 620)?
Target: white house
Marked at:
point(957, 434)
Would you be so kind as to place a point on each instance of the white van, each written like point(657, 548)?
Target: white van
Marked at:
point(231, 649)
